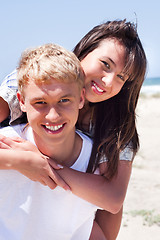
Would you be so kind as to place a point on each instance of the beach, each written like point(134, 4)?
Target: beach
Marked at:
point(141, 216)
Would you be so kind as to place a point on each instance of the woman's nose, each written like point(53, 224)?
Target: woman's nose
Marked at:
point(108, 80)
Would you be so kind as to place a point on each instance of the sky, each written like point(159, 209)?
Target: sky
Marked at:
point(30, 23)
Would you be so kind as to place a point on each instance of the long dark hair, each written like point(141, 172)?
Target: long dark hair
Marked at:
point(115, 126)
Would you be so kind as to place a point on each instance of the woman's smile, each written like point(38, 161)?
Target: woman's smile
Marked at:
point(96, 88)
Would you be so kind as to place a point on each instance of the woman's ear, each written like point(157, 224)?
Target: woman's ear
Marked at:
point(82, 98)
point(21, 101)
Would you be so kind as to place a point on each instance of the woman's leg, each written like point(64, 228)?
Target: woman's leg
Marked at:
point(97, 233)
point(109, 223)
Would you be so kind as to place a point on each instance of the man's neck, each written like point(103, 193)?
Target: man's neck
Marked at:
point(65, 152)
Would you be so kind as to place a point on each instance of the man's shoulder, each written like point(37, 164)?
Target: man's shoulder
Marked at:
point(82, 162)
point(85, 138)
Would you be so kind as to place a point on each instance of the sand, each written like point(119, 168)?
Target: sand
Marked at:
point(141, 217)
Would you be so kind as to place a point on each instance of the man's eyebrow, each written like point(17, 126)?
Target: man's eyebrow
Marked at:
point(38, 98)
point(67, 95)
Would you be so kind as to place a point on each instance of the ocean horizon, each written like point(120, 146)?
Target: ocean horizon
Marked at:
point(151, 86)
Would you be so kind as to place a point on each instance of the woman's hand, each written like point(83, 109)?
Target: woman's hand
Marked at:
point(16, 143)
point(26, 159)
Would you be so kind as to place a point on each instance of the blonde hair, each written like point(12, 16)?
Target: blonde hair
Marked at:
point(47, 62)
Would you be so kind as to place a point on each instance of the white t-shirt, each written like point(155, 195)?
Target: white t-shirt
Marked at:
point(31, 211)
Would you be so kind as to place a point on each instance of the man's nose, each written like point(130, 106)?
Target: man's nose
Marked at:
point(53, 114)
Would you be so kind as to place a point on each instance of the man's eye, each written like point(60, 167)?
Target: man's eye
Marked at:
point(64, 100)
point(40, 102)
point(106, 64)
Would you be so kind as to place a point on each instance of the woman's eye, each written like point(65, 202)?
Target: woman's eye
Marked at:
point(106, 64)
point(121, 77)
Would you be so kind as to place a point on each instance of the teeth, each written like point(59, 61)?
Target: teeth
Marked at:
point(54, 128)
point(99, 89)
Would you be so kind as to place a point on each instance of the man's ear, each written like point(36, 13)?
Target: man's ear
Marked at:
point(21, 101)
point(82, 98)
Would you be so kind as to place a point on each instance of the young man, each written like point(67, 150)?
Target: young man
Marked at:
point(50, 83)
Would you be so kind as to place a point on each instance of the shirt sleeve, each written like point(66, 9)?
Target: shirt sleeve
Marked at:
point(8, 91)
point(126, 154)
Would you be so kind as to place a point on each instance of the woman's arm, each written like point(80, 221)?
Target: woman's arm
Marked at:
point(109, 195)
point(35, 166)
point(114, 194)
point(24, 157)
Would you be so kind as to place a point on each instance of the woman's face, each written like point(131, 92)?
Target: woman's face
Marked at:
point(103, 68)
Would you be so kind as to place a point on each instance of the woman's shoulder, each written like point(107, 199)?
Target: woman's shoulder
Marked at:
point(12, 131)
point(126, 154)
point(10, 80)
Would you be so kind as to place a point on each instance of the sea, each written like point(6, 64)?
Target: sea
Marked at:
point(151, 86)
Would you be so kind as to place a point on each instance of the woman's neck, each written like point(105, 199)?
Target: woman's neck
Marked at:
point(85, 117)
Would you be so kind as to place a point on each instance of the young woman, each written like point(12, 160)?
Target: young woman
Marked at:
point(114, 64)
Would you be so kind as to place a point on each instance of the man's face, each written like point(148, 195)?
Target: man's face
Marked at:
point(52, 110)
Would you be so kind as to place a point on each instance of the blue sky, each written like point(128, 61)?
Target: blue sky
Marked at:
point(30, 23)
